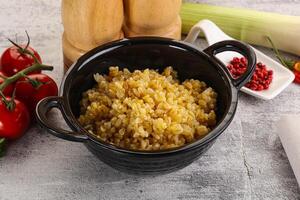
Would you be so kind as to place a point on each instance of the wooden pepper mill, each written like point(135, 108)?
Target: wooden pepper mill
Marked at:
point(88, 24)
point(152, 18)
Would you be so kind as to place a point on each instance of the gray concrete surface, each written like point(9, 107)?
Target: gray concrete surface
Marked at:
point(246, 162)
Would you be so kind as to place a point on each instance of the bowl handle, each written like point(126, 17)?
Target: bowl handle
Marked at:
point(43, 107)
point(240, 47)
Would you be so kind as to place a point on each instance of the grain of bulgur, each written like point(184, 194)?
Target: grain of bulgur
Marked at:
point(145, 110)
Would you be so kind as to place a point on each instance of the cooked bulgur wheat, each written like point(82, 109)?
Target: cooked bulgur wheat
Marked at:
point(145, 110)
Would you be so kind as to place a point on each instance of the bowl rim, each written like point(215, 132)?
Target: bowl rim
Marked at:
point(98, 51)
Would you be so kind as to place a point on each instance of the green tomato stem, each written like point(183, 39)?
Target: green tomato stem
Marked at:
point(28, 40)
point(32, 55)
point(25, 50)
point(17, 76)
point(3, 77)
point(2, 146)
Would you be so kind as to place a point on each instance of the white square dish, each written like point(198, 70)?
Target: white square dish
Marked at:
point(282, 76)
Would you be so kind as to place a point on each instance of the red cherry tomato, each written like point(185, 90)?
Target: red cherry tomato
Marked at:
point(297, 77)
point(9, 89)
point(13, 124)
point(13, 61)
point(31, 95)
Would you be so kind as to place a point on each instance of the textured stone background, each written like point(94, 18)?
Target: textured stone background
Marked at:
point(246, 162)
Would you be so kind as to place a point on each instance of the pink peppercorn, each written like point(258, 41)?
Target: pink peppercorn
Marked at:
point(261, 79)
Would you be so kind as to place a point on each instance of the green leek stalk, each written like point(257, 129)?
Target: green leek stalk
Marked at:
point(247, 25)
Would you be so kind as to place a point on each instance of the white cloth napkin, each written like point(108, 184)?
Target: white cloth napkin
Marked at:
point(288, 129)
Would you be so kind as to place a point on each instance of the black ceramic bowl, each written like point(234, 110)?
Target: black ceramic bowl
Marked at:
point(154, 53)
